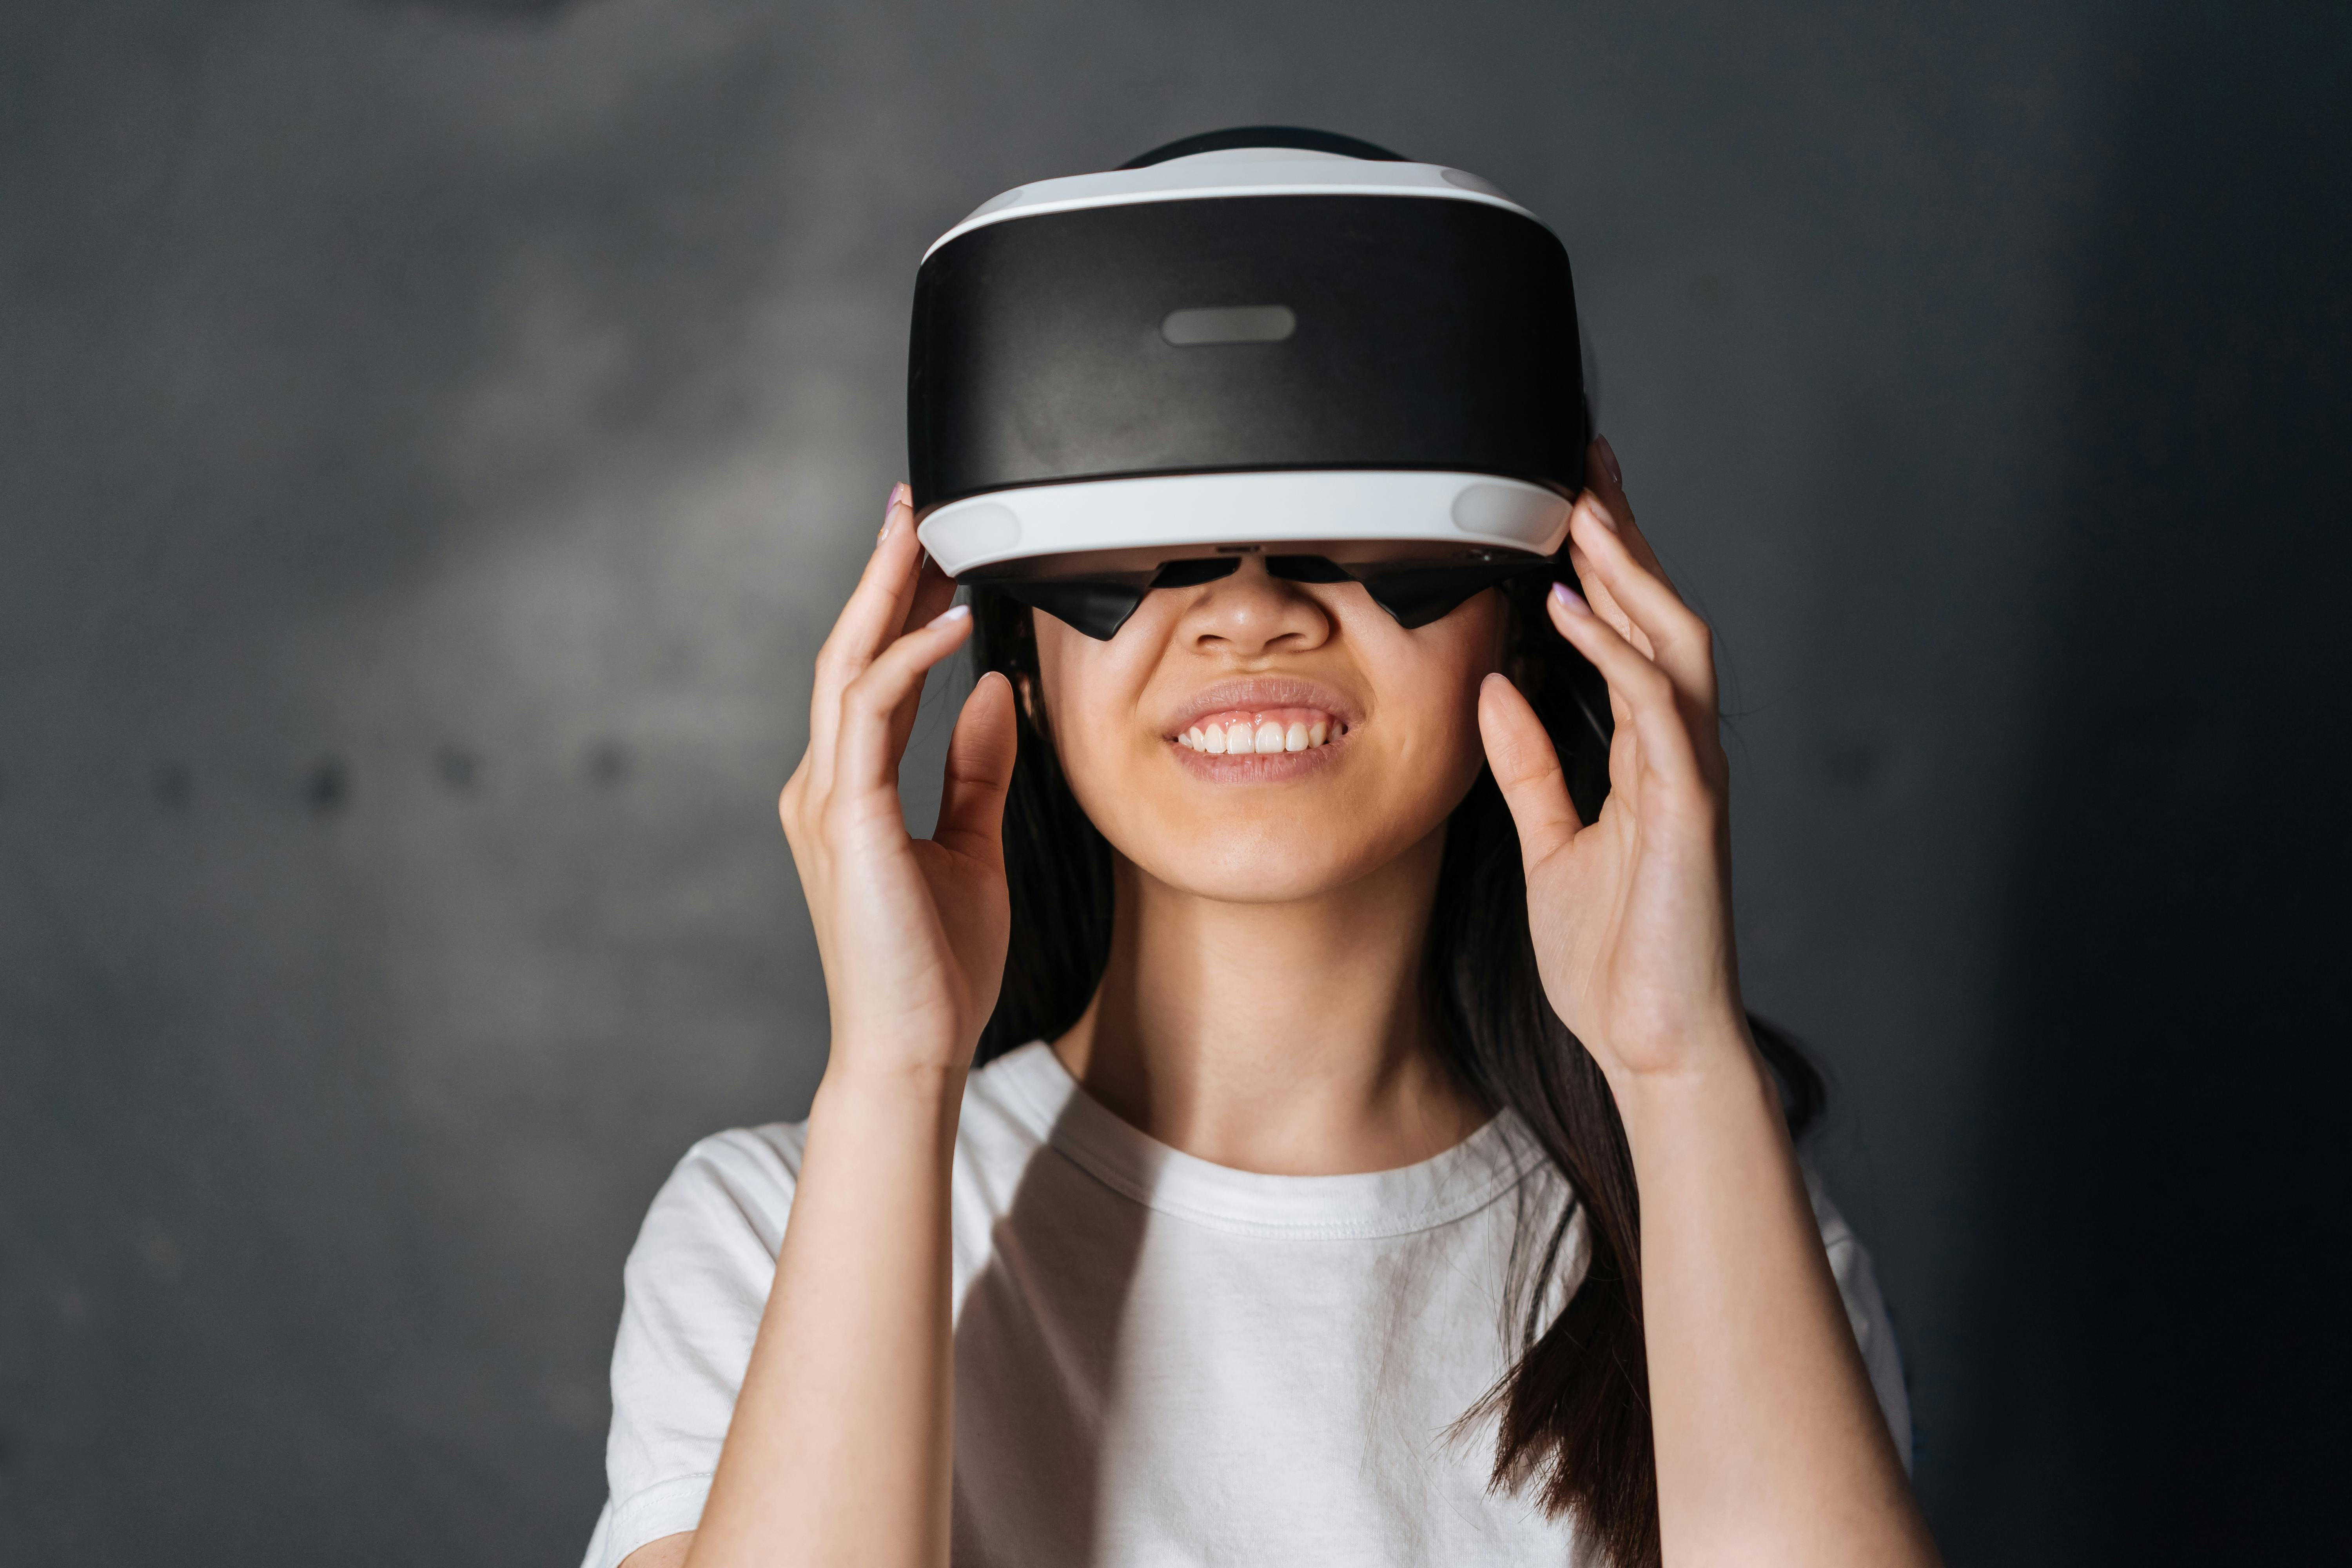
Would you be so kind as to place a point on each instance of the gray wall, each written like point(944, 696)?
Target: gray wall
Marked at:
point(433, 440)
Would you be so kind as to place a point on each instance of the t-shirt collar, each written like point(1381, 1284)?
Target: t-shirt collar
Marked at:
point(1437, 1191)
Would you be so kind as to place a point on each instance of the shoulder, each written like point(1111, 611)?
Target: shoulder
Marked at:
point(697, 1279)
point(1849, 1259)
point(738, 1182)
point(693, 1290)
point(1866, 1310)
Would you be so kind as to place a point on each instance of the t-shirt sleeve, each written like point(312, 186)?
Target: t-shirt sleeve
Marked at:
point(1865, 1308)
point(693, 1290)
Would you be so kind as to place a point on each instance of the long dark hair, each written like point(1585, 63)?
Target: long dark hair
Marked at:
point(1573, 1412)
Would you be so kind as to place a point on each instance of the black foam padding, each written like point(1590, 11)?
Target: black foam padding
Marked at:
point(1306, 569)
point(1415, 596)
point(1412, 596)
point(1431, 333)
point(1097, 608)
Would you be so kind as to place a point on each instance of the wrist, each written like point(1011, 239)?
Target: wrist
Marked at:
point(1722, 1071)
point(916, 1097)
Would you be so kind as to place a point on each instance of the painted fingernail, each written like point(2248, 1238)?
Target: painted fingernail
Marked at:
point(1601, 514)
point(952, 614)
point(899, 495)
point(1569, 599)
point(1609, 460)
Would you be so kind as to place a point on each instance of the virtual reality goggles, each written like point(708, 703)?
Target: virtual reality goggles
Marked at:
point(1264, 341)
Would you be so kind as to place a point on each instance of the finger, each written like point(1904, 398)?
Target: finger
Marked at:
point(1619, 713)
point(876, 612)
point(877, 609)
point(1597, 593)
point(1526, 768)
point(1646, 694)
point(933, 591)
point(980, 770)
point(1623, 739)
point(1678, 639)
point(1605, 479)
point(864, 757)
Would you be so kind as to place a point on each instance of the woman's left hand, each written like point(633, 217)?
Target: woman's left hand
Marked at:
point(1631, 913)
point(1769, 1444)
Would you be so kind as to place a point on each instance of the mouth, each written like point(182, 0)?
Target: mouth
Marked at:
point(1260, 718)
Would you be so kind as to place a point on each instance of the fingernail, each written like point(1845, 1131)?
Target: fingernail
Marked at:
point(1601, 514)
point(952, 614)
point(898, 494)
point(1569, 599)
point(1609, 460)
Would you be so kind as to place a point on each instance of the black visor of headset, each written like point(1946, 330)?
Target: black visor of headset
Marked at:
point(1413, 593)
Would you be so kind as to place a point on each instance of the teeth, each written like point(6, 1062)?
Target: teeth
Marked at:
point(1276, 731)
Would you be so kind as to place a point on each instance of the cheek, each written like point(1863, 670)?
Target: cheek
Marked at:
point(1426, 751)
point(1433, 749)
point(1093, 693)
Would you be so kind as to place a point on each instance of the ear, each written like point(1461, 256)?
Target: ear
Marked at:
point(1026, 682)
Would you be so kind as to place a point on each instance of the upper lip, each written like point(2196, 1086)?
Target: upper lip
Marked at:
point(1256, 693)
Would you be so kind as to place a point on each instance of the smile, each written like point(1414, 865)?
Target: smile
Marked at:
point(1240, 732)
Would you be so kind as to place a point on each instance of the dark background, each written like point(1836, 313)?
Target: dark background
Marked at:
point(435, 437)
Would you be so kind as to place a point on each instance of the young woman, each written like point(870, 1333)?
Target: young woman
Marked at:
point(1285, 1222)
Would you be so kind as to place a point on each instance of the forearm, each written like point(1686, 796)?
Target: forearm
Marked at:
point(1770, 1447)
point(841, 1449)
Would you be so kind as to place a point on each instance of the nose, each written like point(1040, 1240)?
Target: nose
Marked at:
point(1252, 612)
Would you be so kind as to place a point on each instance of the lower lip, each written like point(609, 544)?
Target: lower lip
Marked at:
point(1257, 767)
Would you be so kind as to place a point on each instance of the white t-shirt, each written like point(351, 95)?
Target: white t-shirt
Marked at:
point(1159, 1361)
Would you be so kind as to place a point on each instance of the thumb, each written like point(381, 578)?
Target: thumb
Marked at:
point(980, 769)
point(1526, 767)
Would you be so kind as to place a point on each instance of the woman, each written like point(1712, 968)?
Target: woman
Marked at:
point(1286, 1225)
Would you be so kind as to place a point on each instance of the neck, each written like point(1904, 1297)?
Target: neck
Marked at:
point(1289, 1038)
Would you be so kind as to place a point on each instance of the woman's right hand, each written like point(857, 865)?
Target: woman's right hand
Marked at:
point(912, 932)
point(841, 1441)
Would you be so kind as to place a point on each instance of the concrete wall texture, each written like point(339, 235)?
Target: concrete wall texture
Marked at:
point(435, 437)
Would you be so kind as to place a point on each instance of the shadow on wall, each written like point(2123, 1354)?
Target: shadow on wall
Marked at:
point(2159, 1315)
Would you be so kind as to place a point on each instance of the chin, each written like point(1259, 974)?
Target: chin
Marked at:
point(1242, 880)
point(1264, 857)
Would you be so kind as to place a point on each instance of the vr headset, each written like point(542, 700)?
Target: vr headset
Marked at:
point(1261, 341)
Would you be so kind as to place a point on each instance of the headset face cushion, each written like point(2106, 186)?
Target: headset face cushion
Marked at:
point(1413, 594)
